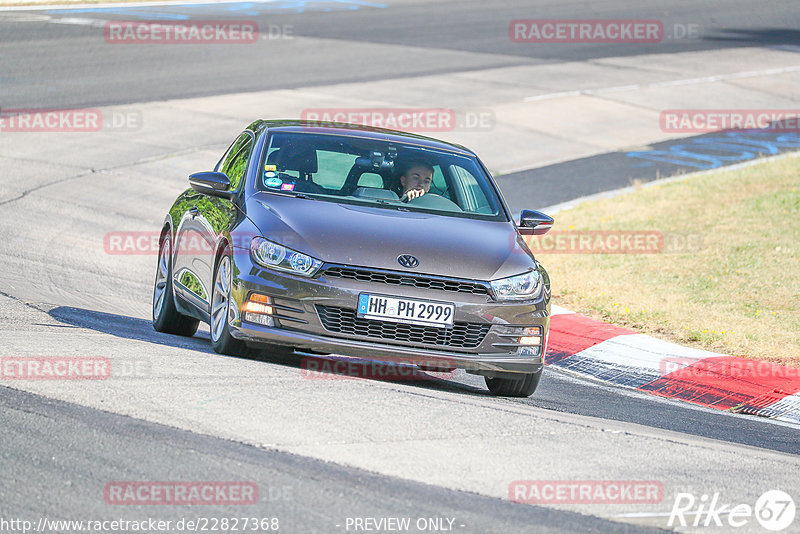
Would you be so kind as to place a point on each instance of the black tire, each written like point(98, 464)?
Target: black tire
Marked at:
point(510, 387)
point(221, 339)
point(166, 318)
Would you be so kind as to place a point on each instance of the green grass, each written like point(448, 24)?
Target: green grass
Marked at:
point(735, 289)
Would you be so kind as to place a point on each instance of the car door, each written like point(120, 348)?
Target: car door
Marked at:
point(202, 224)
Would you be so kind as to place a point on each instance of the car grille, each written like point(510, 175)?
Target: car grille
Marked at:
point(345, 321)
point(407, 279)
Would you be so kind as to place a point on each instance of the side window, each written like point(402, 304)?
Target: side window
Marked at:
point(473, 197)
point(234, 162)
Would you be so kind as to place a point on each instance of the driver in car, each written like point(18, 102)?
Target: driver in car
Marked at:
point(415, 179)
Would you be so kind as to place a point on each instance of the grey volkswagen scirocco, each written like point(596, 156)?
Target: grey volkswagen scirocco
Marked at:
point(342, 239)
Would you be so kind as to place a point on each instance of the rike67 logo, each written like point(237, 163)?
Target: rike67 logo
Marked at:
point(774, 511)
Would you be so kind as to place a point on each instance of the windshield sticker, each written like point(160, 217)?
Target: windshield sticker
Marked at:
point(273, 182)
point(287, 187)
point(270, 167)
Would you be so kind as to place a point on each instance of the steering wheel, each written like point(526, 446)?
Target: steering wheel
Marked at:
point(434, 201)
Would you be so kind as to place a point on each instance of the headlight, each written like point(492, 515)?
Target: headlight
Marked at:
point(278, 257)
point(522, 286)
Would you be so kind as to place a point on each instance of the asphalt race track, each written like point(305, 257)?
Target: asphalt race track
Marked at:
point(64, 65)
point(324, 451)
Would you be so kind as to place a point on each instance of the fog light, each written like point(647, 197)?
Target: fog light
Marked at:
point(256, 307)
point(264, 320)
point(530, 340)
point(525, 340)
point(528, 351)
point(257, 310)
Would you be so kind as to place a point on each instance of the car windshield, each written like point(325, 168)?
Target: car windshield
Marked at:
point(378, 173)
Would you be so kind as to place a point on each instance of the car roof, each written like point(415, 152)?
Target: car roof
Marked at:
point(358, 131)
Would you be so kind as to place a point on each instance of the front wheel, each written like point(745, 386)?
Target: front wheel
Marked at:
point(221, 301)
point(166, 318)
point(511, 387)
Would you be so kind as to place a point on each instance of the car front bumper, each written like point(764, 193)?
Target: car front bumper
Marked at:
point(298, 322)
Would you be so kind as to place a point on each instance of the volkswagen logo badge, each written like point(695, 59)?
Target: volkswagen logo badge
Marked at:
point(408, 261)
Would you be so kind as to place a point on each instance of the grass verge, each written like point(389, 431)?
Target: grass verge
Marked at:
point(726, 273)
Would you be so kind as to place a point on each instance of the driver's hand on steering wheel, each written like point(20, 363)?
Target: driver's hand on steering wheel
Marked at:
point(411, 194)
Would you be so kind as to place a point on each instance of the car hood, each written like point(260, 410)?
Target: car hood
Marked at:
point(374, 237)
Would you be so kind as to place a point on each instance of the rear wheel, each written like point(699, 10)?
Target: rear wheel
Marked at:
point(510, 387)
point(166, 318)
point(221, 339)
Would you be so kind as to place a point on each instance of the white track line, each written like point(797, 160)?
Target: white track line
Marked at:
point(669, 83)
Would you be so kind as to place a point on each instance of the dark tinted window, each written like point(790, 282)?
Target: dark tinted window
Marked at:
point(234, 162)
point(367, 171)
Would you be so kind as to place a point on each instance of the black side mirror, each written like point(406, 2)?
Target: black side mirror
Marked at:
point(534, 223)
point(216, 184)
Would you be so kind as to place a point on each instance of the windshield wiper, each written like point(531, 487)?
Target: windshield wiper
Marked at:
point(389, 203)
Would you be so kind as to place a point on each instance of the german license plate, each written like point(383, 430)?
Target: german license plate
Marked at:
point(403, 310)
